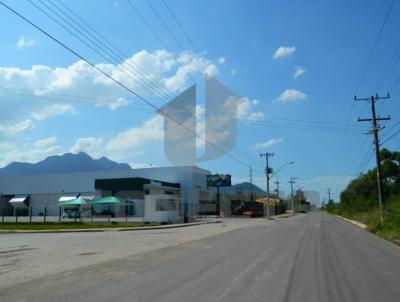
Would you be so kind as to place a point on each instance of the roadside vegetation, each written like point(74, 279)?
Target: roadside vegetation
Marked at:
point(69, 226)
point(359, 201)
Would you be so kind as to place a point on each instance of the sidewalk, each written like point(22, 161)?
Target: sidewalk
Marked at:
point(157, 227)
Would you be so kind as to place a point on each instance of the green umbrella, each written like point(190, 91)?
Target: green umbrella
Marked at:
point(74, 202)
point(105, 200)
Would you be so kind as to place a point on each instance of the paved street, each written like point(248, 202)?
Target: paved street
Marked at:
point(313, 257)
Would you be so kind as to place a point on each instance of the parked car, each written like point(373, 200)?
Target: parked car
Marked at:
point(252, 213)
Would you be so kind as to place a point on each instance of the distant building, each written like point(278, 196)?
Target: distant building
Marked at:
point(19, 193)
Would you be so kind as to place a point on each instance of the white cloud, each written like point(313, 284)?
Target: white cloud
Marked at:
point(283, 51)
point(233, 72)
point(53, 111)
point(291, 95)
point(16, 128)
point(151, 130)
point(31, 155)
point(168, 71)
point(269, 143)
point(22, 43)
point(245, 113)
point(298, 71)
point(221, 60)
point(188, 64)
point(45, 142)
point(89, 145)
point(114, 105)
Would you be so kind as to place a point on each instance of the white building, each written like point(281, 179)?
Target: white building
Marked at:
point(189, 183)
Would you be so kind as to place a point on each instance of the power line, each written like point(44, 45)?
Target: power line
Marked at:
point(164, 23)
point(390, 137)
point(343, 145)
point(161, 93)
point(112, 79)
point(180, 26)
point(374, 46)
point(390, 129)
point(375, 131)
point(168, 29)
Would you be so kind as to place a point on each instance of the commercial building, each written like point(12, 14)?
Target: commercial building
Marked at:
point(143, 186)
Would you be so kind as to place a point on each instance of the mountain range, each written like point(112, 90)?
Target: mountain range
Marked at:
point(66, 163)
point(82, 162)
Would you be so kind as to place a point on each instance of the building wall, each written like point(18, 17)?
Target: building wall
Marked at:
point(46, 189)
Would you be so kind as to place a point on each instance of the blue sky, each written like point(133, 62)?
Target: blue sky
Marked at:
point(299, 118)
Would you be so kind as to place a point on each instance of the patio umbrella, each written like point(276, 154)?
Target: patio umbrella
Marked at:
point(74, 202)
point(105, 200)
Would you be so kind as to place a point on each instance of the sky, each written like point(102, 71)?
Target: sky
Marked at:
point(296, 64)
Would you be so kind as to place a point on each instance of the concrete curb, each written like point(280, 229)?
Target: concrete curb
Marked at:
point(157, 227)
point(353, 222)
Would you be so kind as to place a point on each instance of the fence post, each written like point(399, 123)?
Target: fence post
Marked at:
point(2, 215)
point(45, 213)
point(30, 214)
point(59, 215)
point(16, 215)
point(91, 211)
point(75, 213)
point(126, 213)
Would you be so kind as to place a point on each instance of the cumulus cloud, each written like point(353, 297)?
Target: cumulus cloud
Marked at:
point(53, 111)
point(45, 142)
point(221, 60)
point(283, 51)
point(245, 110)
point(89, 145)
point(291, 95)
point(9, 130)
point(269, 143)
point(37, 151)
point(22, 43)
point(298, 71)
point(141, 72)
point(151, 130)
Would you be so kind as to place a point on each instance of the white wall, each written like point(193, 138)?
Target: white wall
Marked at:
point(151, 215)
point(192, 180)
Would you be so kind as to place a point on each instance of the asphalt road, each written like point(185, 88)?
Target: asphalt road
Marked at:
point(313, 257)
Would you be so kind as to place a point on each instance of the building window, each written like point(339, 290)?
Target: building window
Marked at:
point(166, 205)
point(169, 193)
point(146, 191)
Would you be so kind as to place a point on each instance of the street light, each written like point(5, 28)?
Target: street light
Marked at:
point(284, 165)
point(276, 172)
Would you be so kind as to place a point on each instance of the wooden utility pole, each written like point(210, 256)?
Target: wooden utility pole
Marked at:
point(375, 132)
point(268, 171)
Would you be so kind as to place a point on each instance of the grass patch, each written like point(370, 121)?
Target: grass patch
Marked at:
point(390, 230)
point(69, 226)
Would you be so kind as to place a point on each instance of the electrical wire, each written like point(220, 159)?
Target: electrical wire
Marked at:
point(112, 79)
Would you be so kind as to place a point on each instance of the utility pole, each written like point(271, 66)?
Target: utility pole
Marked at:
point(292, 181)
point(328, 191)
point(299, 197)
point(251, 182)
point(277, 193)
point(375, 132)
point(268, 171)
point(277, 182)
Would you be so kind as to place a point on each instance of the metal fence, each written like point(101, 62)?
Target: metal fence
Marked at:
point(106, 213)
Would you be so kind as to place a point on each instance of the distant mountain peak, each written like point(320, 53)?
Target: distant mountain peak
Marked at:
point(66, 163)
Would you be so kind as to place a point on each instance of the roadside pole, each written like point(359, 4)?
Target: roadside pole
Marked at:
point(292, 181)
point(268, 171)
